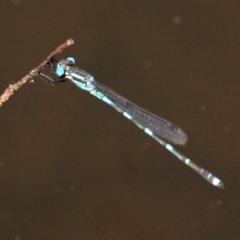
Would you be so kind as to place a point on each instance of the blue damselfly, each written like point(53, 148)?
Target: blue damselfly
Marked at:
point(155, 126)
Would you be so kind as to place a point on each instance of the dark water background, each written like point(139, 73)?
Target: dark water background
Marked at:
point(73, 168)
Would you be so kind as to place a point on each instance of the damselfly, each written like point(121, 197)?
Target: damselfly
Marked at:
point(155, 126)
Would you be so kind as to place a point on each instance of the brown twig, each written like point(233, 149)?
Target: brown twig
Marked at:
point(12, 88)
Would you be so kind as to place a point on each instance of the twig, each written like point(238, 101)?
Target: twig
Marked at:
point(12, 88)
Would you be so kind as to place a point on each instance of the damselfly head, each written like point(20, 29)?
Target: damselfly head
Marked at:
point(64, 66)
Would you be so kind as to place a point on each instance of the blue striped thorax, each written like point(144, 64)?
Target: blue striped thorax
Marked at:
point(66, 69)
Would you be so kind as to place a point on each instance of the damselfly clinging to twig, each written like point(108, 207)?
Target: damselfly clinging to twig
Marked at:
point(158, 128)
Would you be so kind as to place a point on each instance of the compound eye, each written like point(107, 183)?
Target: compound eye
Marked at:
point(71, 61)
point(60, 71)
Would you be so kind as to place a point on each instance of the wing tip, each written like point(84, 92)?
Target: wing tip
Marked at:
point(182, 140)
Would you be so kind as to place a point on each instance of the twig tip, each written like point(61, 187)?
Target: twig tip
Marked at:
point(70, 41)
